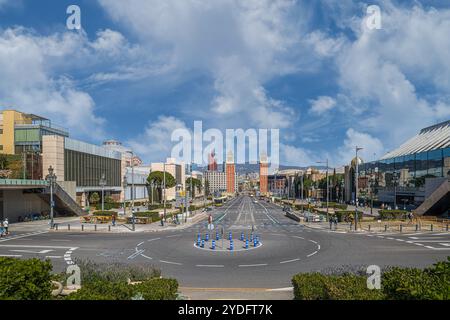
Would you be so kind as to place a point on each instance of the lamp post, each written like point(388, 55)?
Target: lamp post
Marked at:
point(125, 184)
point(51, 178)
point(372, 186)
point(326, 162)
point(102, 184)
point(356, 186)
point(395, 180)
point(164, 190)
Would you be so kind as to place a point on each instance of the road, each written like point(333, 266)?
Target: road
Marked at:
point(285, 249)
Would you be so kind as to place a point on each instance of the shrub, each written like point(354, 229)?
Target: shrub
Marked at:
point(101, 289)
point(414, 284)
point(25, 279)
point(104, 213)
point(317, 286)
point(157, 289)
point(392, 214)
point(344, 214)
point(151, 207)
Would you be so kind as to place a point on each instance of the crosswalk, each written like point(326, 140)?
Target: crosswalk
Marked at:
point(21, 235)
point(439, 241)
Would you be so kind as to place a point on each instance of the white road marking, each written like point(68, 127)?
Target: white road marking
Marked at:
point(170, 262)
point(134, 255)
point(23, 235)
point(140, 243)
point(153, 239)
point(210, 265)
point(281, 289)
point(252, 265)
point(32, 246)
point(31, 251)
point(431, 240)
point(147, 257)
point(311, 254)
point(53, 257)
point(288, 261)
point(11, 255)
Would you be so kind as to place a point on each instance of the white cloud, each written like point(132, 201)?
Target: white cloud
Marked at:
point(324, 46)
point(322, 104)
point(372, 148)
point(241, 45)
point(296, 156)
point(155, 143)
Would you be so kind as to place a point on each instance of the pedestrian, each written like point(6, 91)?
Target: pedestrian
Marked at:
point(6, 226)
point(350, 218)
point(331, 222)
point(113, 219)
point(2, 230)
point(335, 221)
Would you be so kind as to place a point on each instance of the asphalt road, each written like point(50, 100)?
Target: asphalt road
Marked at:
point(285, 249)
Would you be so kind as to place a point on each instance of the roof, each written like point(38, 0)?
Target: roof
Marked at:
point(428, 139)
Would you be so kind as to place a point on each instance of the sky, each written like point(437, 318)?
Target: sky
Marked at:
point(138, 69)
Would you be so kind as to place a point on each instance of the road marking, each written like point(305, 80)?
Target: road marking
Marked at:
point(31, 246)
point(431, 240)
point(170, 262)
point(399, 240)
point(298, 237)
point(147, 257)
point(140, 243)
point(11, 255)
point(23, 235)
point(288, 261)
point(252, 265)
point(134, 255)
point(153, 239)
point(174, 235)
point(210, 265)
point(281, 289)
point(53, 257)
point(311, 254)
point(31, 251)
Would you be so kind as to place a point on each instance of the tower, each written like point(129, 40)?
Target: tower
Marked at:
point(212, 164)
point(230, 173)
point(263, 174)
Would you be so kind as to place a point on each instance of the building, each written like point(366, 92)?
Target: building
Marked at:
point(263, 174)
point(230, 171)
point(410, 174)
point(178, 171)
point(212, 163)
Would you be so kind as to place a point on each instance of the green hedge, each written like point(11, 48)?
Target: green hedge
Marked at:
point(157, 289)
point(392, 214)
point(397, 283)
point(25, 279)
point(104, 213)
point(316, 286)
point(343, 214)
point(151, 207)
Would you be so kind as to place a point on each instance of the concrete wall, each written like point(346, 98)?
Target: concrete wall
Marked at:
point(53, 155)
point(70, 187)
point(16, 203)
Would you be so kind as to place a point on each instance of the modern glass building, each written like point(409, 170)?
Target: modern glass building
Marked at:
point(404, 175)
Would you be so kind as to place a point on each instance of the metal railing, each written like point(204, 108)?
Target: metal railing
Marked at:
point(23, 182)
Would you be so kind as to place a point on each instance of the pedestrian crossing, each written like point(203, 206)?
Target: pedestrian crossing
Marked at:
point(439, 241)
point(21, 235)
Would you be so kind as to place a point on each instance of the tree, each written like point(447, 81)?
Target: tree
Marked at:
point(196, 185)
point(94, 198)
point(156, 178)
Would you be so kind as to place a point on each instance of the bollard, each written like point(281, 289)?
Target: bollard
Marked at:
point(431, 227)
point(242, 236)
point(254, 242)
point(385, 227)
point(199, 237)
point(231, 245)
point(230, 236)
point(257, 239)
point(213, 245)
point(68, 227)
point(82, 227)
point(401, 228)
point(417, 227)
point(207, 237)
point(95, 227)
point(198, 242)
point(251, 236)
point(109, 228)
point(246, 243)
point(369, 227)
point(446, 228)
point(56, 226)
point(203, 243)
point(217, 236)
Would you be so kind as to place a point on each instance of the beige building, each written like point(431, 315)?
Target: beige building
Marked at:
point(178, 171)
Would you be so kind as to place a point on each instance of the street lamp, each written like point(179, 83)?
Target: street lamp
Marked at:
point(326, 162)
point(125, 184)
point(395, 180)
point(356, 185)
point(102, 184)
point(51, 179)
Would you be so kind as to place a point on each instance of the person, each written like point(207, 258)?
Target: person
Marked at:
point(114, 220)
point(331, 222)
point(410, 217)
point(2, 230)
point(335, 221)
point(6, 226)
point(350, 218)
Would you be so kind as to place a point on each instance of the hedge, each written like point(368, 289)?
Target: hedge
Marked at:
point(25, 279)
point(157, 289)
point(104, 213)
point(392, 214)
point(151, 207)
point(397, 283)
point(316, 286)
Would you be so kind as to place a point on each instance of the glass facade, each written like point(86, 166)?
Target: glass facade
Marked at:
point(87, 169)
point(411, 170)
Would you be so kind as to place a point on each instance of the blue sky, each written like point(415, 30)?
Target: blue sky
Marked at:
point(139, 69)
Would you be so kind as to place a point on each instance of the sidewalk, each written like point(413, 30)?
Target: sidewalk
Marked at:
point(73, 224)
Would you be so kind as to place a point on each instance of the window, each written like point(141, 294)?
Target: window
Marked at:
point(1, 131)
point(1, 147)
